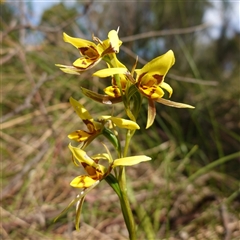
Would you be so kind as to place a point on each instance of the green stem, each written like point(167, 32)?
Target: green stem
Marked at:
point(125, 204)
point(126, 210)
point(129, 135)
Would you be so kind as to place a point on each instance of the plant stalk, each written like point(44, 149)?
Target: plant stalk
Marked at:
point(125, 204)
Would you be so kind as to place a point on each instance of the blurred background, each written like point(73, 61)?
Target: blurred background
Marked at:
point(191, 188)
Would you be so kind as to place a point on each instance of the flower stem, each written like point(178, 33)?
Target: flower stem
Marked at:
point(129, 135)
point(126, 208)
point(125, 204)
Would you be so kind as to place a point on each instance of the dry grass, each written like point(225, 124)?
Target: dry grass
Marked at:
point(37, 169)
point(36, 165)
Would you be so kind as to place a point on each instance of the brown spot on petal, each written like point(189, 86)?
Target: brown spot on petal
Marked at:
point(116, 91)
point(89, 52)
point(81, 180)
point(159, 78)
point(89, 125)
point(140, 77)
point(83, 50)
point(79, 135)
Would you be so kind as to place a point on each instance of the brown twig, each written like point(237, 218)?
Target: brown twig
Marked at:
point(225, 219)
point(21, 119)
point(165, 32)
point(192, 80)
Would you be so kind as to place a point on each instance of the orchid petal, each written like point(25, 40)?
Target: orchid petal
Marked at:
point(159, 65)
point(129, 161)
point(173, 104)
point(151, 113)
point(101, 156)
point(167, 87)
point(82, 182)
point(113, 91)
point(69, 69)
point(85, 63)
point(78, 42)
point(79, 136)
point(82, 156)
point(110, 71)
point(105, 99)
point(114, 40)
point(85, 160)
point(153, 92)
point(122, 123)
point(80, 110)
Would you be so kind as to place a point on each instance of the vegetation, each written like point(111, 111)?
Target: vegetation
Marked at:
point(190, 190)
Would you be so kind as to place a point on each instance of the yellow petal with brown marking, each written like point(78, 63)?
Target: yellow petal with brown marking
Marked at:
point(82, 182)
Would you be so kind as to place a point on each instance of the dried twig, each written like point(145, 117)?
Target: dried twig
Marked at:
point(165, 32)
point(192, 80)
point(225, 219)
point(23, 118)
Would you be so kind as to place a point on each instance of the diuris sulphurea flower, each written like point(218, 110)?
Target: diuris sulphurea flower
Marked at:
point(96, 128)
point(149, 82)
point(91, 53)
point(96, 172)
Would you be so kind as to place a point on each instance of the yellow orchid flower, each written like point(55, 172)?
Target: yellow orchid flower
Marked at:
point(95, 128)
point(94, 170)
point(150, 79)
point(91, 53)
point(97, 172)
point(150, 82)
